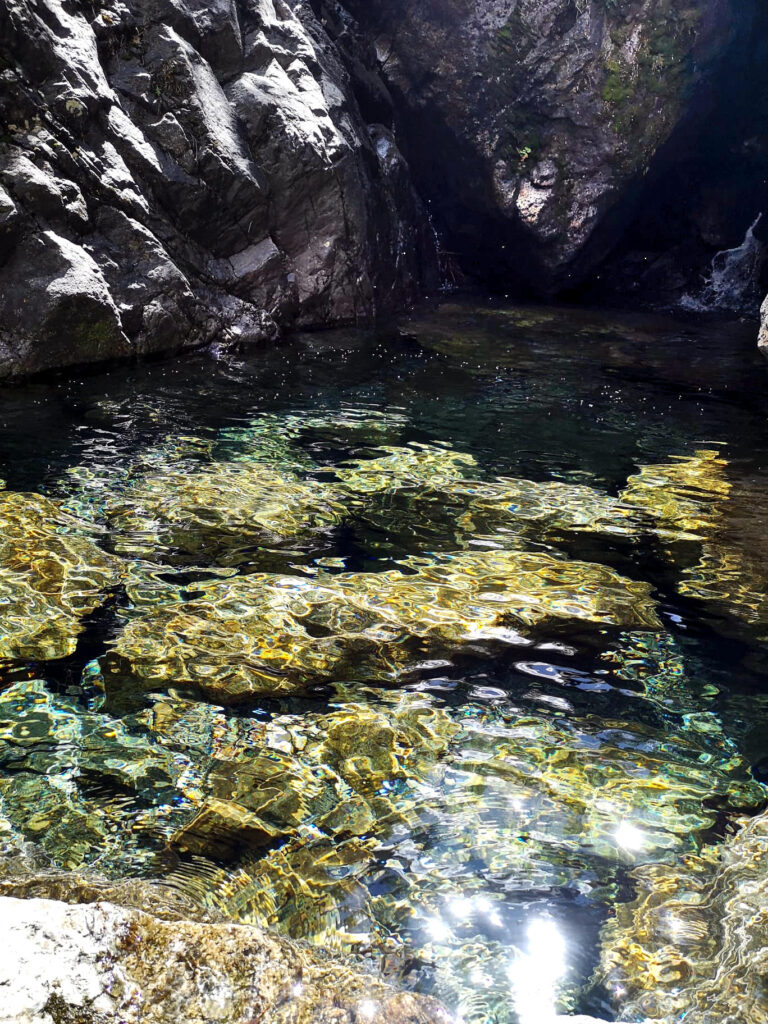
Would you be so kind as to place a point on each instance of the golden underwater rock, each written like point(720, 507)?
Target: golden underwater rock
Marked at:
point(84, 787)
point(270, 634)
point(353, 773)
point(326, 772)
point(88, 788)
point(732, 571)
point(218, 510)
point(529, 796)
point(692, 945)
point(432, 494)
point(221, 828)
point(683, 497)
point(410, 466)
point(52, 573)
point(691, 499)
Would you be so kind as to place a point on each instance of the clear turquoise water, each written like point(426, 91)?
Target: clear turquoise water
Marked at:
point(560, 758)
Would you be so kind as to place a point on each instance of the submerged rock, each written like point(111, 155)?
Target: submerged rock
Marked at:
point(472, 811)
point(99, 963)
point(220, 512)
point(683, 498)
point(269, 634)
point(52, 574)
point(85, 787)
point(731, 572)
point(692, 944)
point(423, 466)
point(382, 825)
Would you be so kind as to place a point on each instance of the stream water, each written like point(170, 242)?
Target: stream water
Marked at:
point(414, 643)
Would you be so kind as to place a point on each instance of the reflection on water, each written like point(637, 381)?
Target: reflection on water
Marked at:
point(440, 647)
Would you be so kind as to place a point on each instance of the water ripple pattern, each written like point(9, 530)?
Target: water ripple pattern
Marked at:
point(441, 646)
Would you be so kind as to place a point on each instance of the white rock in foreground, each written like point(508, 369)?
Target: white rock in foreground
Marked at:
point(98, 963)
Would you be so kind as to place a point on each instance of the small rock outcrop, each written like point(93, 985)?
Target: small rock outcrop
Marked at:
point(103, 963)
point(530, 123)
point(173, 173)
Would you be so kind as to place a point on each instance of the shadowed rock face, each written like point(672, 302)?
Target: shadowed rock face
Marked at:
point(177, 173)
point(551, 111)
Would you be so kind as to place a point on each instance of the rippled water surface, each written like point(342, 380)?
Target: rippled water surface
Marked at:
point(432, 645)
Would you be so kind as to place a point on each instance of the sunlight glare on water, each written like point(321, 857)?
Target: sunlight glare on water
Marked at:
point(395, 643)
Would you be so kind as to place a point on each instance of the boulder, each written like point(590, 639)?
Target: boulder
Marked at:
point(57, 308)
point(178, 173)
point(100, 963)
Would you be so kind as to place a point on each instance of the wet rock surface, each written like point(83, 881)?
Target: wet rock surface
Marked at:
point(173, 175)
point(99, 963)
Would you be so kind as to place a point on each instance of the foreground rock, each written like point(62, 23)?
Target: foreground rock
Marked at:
point(100, 963)
point(553, 109)
point(172, 175)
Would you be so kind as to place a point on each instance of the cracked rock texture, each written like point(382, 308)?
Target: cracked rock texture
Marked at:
point(174, 172)
point(530, 123)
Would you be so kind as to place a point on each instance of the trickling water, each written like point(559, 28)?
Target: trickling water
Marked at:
point(413, 643)
point(733, 283)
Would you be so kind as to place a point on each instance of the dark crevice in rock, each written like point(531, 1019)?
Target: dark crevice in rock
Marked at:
point(706, 185)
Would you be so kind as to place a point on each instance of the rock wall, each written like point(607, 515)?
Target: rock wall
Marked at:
point(174, 172)
point(531, 123)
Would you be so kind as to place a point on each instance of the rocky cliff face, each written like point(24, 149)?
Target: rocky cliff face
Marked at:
point(174, 172)
point(530, 123)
